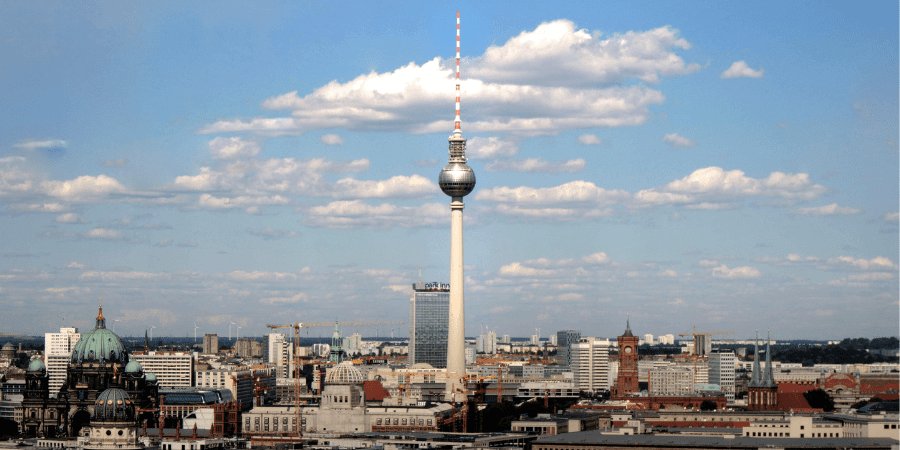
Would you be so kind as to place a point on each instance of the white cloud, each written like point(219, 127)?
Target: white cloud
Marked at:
point(508, 89)
point(892, 217)
point(827, 210)
point(714, 185)
point(123, 276)
point(676, 302)
point(357, 214)
point(535, 165)
point(740, 69)
point(75, 265)
point(397, 186)
point(678, 141)
point(331, 139)
point(83, 188)
point(573, 191)
point(232, 148)
point(69, 218)
point(34, 144)
point(707, 263)
point(877, 263)
point(491, 147)
point(864, 279)
point(103, 233)
point(596, 258)
point(207, 201)
point(272, 233)
point(723, 271)
point(589, 139)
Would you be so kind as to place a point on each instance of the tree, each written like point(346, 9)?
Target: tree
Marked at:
point(818, 398)
point(708, 405)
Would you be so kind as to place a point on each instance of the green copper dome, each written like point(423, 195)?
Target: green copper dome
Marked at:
point(36, 366)
point(133, 367)
point(149, 376)
point(99, 345)
point(113, 404)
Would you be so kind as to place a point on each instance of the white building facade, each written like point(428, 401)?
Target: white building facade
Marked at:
point(590, 364)
point(57, 348)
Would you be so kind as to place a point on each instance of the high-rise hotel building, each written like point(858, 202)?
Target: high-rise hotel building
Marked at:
point(429, 315)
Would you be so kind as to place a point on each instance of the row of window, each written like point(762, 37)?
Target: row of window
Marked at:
point(403, 421)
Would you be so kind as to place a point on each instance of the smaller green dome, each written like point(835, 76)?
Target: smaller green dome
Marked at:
point(149, 376)
point(8, 346)
point(133, 367)
point(36, 366)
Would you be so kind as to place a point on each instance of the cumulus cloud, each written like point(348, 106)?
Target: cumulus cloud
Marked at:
point(358, 214)
point(240, 275)
point(535, 165)
point(589, 139)
point(714, 184)
point(678, 141)
point(508, 88)
point(569, 201)
point(331, 139)
point(299, 297)
point(208, 201)
point(69, 218)
point(272, 233)
point(76, 265)
point(740, 69)
point(35, 144)
point(397, 186)
point(232, 148)
point(83, 188)
point(491, 147)
point(724, 272)
point(864, 279)
point(827, 210)
point(39, 207)
point(891, 217)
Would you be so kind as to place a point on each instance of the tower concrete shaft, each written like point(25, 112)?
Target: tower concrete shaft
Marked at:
point(456, 339)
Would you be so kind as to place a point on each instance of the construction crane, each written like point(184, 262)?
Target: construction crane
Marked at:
point(297, 326)
point(701, 338)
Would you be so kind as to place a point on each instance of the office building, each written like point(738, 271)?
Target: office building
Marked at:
point(172, 369)
point(279, 353)
point(210, 344)
point(564, 339)
point(57, 349)
point(671, 382)
point(721, 371)
point(429, 309)
point(590, 364)
point(648, 339)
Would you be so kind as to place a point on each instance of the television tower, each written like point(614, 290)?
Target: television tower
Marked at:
point(456, 180)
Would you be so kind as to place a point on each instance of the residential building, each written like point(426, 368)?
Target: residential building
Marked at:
point(210, 344)
point(429, 317)
point(172, 369)
point(721, 371)
point(590, 364)
point(671, 382)
point(57, 349)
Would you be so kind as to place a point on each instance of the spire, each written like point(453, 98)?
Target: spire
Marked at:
point(146, 341)
point(755, 377)
point(627, 327)
point(457, 132)
point(101, 321)
point(768, 379)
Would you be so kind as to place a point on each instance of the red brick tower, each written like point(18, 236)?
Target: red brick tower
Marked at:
point(627, 381)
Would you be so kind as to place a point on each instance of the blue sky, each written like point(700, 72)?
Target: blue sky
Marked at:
point(733, 166)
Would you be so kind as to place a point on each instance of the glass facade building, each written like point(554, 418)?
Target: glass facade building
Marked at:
point(429, 317)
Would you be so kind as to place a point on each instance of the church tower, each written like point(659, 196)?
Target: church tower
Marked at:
point(762, 391)
point(627, 382)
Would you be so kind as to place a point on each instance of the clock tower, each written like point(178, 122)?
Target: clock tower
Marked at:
point(627, 381)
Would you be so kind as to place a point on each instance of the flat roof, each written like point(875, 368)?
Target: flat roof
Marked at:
point(595, 437)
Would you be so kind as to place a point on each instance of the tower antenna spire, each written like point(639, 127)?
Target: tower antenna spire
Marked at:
point(457, 131)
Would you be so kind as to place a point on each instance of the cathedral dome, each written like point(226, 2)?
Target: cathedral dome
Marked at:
point(133, 367)
point(99, 345)
point(36, 366)
point(345, 373)
point(114, 405)
point(150, 376)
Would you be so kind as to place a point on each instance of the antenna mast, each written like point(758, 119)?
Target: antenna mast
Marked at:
point(456, 129)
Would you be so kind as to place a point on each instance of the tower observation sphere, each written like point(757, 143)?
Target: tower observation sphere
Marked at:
point(457, 179)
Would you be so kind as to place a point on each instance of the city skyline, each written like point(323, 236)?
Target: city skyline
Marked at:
point(734, 169)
